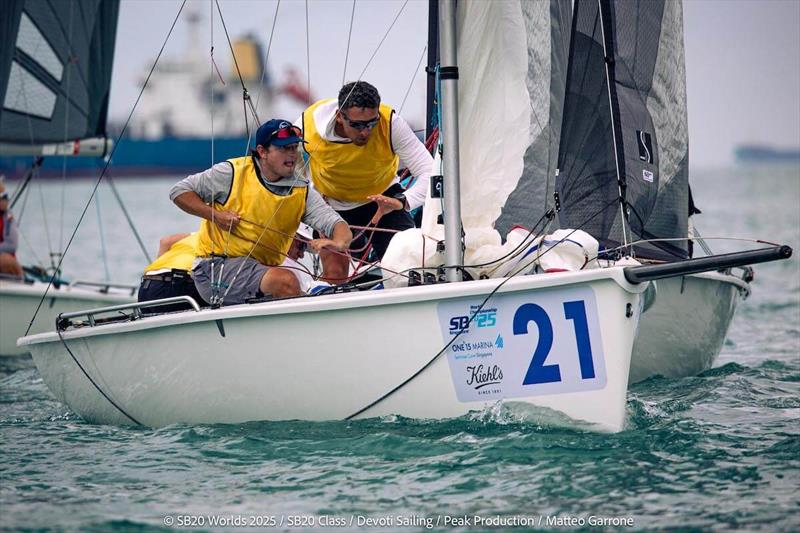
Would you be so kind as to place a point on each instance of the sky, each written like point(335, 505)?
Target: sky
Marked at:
point(742, 58)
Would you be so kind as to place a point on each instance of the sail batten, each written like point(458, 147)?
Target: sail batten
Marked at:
point(55, 70)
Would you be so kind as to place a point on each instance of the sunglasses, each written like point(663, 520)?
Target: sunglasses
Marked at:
point(361, 124)
point(286, 133)
point(4, 196)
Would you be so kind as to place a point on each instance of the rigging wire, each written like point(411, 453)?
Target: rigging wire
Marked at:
point(215, 285)
point(51, 252)
point(349, 35)
point(266, 63)
point(103, 252)
point(105, 168)
point(414, 77)
point(70, 62)
point(211, 90)
point(305, 163)
point(385, 35)
point(26, 193)
point(700, 239)
point(308, 54)
point(682, 239)
point(620, 176)
point(245, 94)
point(216, 279)
point(552, 174)
point(211, 98)
point(32, 249)
point(112, 185)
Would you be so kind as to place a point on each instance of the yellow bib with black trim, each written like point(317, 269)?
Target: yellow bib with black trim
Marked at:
point(179, 256)
point(347, 172)
point(257, 207)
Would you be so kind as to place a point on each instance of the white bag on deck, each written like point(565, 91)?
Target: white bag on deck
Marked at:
point(568, 250)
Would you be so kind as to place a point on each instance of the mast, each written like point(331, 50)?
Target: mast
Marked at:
point(454, 248)
point(433, 59)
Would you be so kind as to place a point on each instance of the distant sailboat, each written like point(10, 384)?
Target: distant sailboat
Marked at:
point(55, 72)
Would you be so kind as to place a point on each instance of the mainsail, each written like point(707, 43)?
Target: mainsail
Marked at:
point(55, 69)
point(624, 133)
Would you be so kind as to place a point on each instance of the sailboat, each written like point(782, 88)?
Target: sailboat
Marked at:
point(624, 136)
point(556, 346)
point(55, 74)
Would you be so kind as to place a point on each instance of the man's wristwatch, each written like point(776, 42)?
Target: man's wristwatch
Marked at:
point(402, 197)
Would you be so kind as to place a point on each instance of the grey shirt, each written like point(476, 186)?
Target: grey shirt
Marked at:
point(214, 184)
point(8, 240)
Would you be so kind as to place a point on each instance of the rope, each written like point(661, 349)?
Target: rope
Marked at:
point(305, 163)
point(93, 382)
point(466, 327)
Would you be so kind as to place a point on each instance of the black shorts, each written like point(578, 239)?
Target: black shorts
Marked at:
point(360, 216)
point(168, 285)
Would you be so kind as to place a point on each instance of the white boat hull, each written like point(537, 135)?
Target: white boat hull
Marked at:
point(331, 357)
point(682, 333)
point(18, 303)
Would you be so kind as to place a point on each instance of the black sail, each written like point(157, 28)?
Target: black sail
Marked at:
point(55, 69)
point(548, 25)
point(624, 130)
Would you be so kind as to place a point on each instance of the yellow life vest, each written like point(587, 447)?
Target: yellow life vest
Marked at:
point(258, 207)
point(347, 172)
point(179, 256)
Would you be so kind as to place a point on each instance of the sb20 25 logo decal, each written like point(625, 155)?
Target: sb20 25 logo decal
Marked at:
point(485, 318)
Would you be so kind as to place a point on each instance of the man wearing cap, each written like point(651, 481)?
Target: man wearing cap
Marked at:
point(355, 144)
point(252, 207)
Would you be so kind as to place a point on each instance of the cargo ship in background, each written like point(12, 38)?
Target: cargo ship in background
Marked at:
point(171, 130)
point(761, 154)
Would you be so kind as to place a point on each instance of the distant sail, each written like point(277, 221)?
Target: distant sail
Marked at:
point(55, 69)
point(647, 141)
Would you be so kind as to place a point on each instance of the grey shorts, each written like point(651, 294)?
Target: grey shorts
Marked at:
point(246, 284)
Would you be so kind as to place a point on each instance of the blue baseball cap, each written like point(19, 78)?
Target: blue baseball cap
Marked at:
point(278, 132)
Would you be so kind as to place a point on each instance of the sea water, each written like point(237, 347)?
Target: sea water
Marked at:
point(715, 451)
